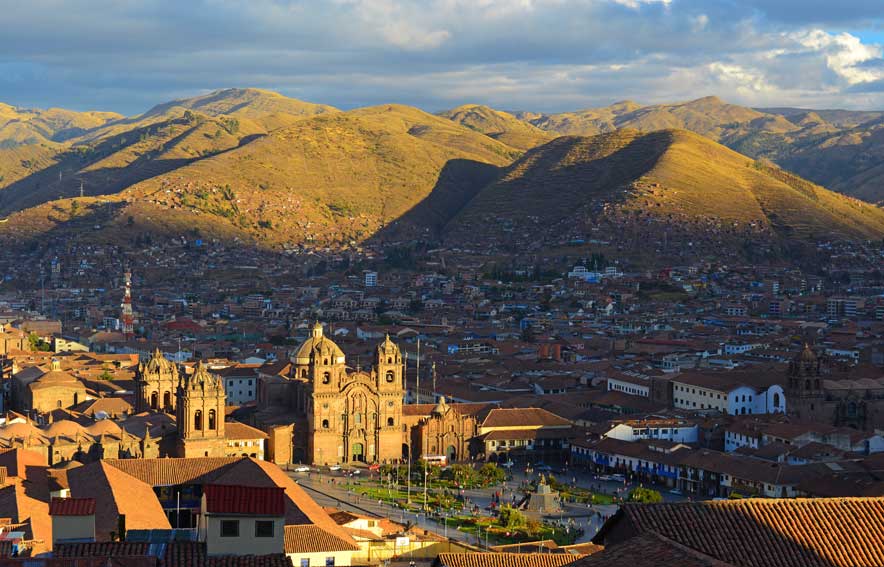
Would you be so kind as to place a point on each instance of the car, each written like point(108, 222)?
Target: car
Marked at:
point(676, 491)
point(544, 468)
point(334, 468)
point(302, 468)
point(374, 467)
point(618, 477)
point(604, 477)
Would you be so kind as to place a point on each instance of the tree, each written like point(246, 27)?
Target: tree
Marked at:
point(491, 473)
point(511, 518)
point(37, 344)
point(645, 496)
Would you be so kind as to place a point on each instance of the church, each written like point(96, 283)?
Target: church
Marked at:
point(316, 409)
point(346, 416)
point(849, 396)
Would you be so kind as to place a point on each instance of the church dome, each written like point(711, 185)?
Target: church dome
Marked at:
point(202, 379)
point(807, 355)
point(320, 347)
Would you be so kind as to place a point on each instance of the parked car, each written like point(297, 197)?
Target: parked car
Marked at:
point(334, 468)
point(618, 477)
point(676, 491)
point(302, 468)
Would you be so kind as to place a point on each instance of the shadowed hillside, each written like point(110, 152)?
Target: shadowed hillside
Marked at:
point(671, 179)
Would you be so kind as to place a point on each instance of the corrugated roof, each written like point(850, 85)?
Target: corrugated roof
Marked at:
point(72, 507)
point(245, 500)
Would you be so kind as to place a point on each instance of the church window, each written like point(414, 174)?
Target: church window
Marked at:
point(325, 424)
point(167, 400)
point(389, 360)
point(153, 400)
point(325, 362)
point(212, 424)
point(324, 406)
point(198, 420)
point(303, 373)
point(390, 422)
point(326, 377)
point(390, 404)
point(358, 418)
point(390, 376)
point(59, 403)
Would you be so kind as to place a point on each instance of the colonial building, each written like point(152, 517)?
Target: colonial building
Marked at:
point(347, 415)
point(200, 414)
point(156, 384)
point(843, 397)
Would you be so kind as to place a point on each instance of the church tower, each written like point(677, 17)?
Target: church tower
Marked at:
point(200, 414)
point(389, 378)
point(156, 382)
point(805, 393)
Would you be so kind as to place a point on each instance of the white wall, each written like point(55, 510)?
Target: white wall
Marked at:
point(342, 558)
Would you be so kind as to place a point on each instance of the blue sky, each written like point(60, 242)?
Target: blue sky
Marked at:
point(542, 55)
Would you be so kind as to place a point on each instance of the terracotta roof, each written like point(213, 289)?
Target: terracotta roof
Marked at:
point(515, 417)
point(172, 472)
point(649, 550)
point(115, 493)
point(239, 430)
point(193, 554)
point(101, 549)
point(803, 532)
point(72, 507)
point(505, 559)
point(310, 538)
point(246, 500)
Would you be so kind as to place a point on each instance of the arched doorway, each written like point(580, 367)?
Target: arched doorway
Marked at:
point(359, 452)
point(451, 454)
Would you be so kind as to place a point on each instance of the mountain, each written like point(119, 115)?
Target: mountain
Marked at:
point(659, 188)
point(24, 126)
point(110, 153)
point(501, 126)
point(332, 178)
point(837, 148)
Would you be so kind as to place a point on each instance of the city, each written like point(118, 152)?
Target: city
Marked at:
point(388, 328)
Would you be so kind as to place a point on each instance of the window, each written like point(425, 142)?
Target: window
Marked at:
point(212, 424)
point(229, 528)
point(390, 376)
point(389, 422)
point(198, 420)
point(264, 528)
point(330, 561)
point(305, 562)
point(326, 377)
point(325, 424)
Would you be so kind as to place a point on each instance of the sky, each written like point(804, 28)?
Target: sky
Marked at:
point(538, 55)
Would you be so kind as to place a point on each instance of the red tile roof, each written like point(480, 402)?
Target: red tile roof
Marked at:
point(310, 538)
point(246, 500)
point(800, 532)
point(505, 559)
point(649, 549)
point(72, 507)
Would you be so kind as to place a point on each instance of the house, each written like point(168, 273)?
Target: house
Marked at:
point(242, 520)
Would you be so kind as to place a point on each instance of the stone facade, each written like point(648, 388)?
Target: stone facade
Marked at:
point(819, 393)
point(156, 384)
point(200, 414)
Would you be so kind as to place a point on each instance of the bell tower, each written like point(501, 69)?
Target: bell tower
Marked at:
point(156, 381)
point(389, 380)
point(200, 413)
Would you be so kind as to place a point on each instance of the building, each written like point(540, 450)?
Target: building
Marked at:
point(200, 414)
point(156, 384)
point(830, 532)
point(340, 415)
point(242, 520)
point(824, 394)
point(371, 278)
point(733, 392)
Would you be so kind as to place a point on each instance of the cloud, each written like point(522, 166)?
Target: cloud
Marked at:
point(546, 55)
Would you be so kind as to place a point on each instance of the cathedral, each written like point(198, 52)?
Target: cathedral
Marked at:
point(346, 415)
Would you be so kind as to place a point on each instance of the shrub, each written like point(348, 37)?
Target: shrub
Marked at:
point(645, 496)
